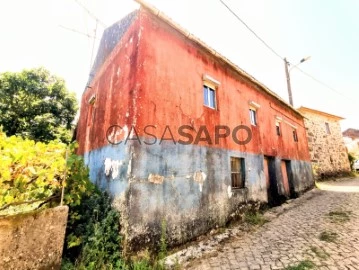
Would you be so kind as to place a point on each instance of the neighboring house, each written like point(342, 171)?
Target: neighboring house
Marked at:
point(351, 140)
point(326, 145)
point(169, 94)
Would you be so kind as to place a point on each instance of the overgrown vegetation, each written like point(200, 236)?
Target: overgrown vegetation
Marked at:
point(339, 216)
point(352, 159)
point(155, 262)
point(93, 238)
point(255, 218)
point(303, 265)
point(32, 175)
point(328, 236)
point(320, 253)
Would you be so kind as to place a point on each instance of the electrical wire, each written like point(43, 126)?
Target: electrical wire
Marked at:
point(90, 13)
point(322, 83)
point(277, 54)
point(77, 31)
point(254, 33)
point(93, 45)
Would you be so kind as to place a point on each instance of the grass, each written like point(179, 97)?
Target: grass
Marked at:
point(303, 265)
point(339, 216)
point(320, 253)
point(327, 236)
point(255, 218)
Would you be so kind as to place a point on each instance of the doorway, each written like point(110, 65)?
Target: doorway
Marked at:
point(292, 192)
point(271, 181)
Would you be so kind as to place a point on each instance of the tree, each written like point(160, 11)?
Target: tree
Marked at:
point(35, 104)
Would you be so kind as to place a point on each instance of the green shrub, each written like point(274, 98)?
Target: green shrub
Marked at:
point(93, 234)
point(33, 175)
point(30, 173)
point(352, 159)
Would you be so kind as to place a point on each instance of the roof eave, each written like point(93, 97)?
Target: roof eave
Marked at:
point(188, 35)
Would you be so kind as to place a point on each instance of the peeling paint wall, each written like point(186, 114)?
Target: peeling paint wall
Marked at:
point(154, 76)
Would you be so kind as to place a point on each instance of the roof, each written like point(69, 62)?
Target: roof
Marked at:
point(217, 55)
point(352, 133)
point(305, 109)
point(110, 38)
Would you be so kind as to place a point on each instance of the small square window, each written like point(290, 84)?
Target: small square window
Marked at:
point(277, 128)
point(253, 116)
point(295, 135)
point(209, 96)
point(327, 128)
point(238, 172)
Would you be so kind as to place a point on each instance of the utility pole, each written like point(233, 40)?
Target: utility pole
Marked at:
point(286, 64)
point(287, 70)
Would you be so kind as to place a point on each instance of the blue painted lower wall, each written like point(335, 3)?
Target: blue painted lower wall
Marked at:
point(188, 186)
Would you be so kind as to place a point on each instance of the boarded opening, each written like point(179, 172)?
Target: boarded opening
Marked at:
point(271, 180)
point(292, 192)
point(238, 172)
point(283, 167)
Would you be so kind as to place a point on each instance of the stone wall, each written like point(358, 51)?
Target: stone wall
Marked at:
point(33, 240)
point(328, 152)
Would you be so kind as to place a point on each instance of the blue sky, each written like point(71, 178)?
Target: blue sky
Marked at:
point(328, 31)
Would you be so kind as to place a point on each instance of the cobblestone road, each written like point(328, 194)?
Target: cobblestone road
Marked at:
point(295, 236)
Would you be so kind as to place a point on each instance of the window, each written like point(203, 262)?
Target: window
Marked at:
point(238, 172)
point(209, 95)
point(90, 111)
point(295, 135)
point(253, 116)
point(210, 85)
point(253, 106)
point(327, 128)
point(277, 128)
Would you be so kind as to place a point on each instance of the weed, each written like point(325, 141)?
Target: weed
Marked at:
point(163, 241)
point(328, 236)
point(141, 265)
point(339, 216)
point(303, 265)
point(177, 265)
point(254, 218)
point(320, 253)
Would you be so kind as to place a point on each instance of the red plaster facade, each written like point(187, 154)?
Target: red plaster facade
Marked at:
point(154, 76)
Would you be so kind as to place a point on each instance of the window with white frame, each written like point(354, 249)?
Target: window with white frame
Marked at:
point(210, 85)
point(253, 116)
point(209, 96)
point(253, 107)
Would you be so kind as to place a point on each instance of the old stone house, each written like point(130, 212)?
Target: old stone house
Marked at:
point(326, 145)
point(176, 132)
